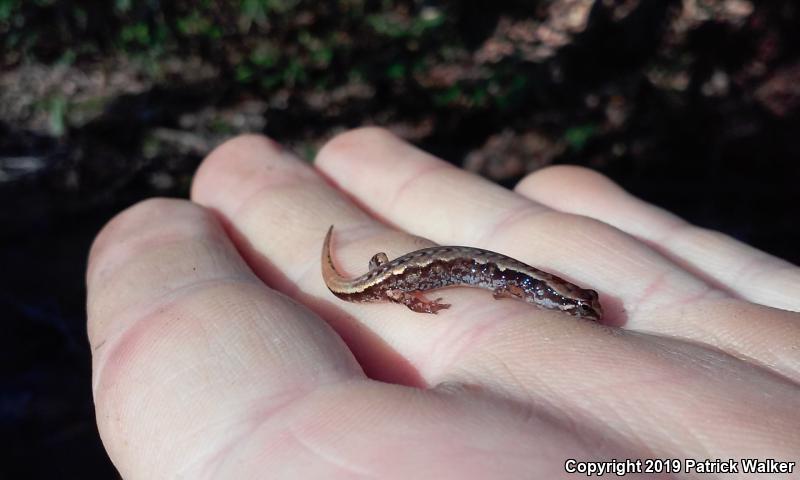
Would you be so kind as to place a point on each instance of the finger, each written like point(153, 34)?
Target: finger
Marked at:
point(189, 347)
point(419, 193)
point(276, 209)
point(424, 195)
point(741, 269)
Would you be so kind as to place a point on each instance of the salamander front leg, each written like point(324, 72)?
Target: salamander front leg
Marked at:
point(377, 260)
point(416, 301)
point(505, 292)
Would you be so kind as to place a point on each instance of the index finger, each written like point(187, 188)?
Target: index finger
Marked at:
point(190, 351)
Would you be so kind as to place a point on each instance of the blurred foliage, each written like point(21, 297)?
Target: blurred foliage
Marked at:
point(609, 80)
point(56, 107)
point(577, 136)
point(259, 44)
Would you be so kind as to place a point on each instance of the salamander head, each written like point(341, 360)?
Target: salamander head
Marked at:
point(583, 303)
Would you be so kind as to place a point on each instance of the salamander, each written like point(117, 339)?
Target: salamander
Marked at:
point(405, 279)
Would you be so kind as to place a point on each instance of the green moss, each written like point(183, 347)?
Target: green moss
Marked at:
point(295, 72)
point(8, 8)
point(122, 6)
point(195, 24)
point(270, 81)
point(577, 137)
point(393, 27)
point(264, 56)
point(221, 127)
point(396, 71)
point(56, 109)
point(244, 73)
point(136, 34)
point(447, 96)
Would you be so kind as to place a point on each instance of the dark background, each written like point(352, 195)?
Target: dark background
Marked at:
point(692, 105)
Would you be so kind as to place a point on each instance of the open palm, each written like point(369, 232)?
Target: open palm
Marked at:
point(220, 353)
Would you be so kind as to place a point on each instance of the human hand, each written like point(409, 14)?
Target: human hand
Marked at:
point(202, 369)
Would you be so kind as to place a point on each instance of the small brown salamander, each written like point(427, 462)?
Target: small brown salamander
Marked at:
point(404, 279)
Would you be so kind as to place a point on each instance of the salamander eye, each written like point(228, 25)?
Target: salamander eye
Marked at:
point(585, 309)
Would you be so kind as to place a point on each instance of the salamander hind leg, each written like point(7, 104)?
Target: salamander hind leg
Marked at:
point(416, 301)
point(377, 260)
